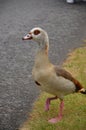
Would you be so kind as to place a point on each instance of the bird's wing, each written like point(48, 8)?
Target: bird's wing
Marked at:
point(62, 72)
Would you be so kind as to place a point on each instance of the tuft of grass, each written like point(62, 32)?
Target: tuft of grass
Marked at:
point(75, 104)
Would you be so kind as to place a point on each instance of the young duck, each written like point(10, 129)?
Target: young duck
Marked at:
point(48, 77)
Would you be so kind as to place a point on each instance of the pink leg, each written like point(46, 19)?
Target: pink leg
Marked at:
point(48, 102)
point(59, 117)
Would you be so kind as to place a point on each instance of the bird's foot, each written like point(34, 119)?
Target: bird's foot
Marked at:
point(47, 107)
point(59, 117)
point(55, 120)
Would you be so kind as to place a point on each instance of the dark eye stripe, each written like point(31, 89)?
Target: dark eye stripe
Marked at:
point(36, 32)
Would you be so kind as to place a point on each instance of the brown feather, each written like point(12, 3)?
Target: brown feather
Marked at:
point(38, 83)
point(67, 75)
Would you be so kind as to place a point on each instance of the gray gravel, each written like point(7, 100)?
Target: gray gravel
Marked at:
point(66, 26)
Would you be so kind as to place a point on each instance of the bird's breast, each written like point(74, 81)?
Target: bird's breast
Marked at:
point(48, 81)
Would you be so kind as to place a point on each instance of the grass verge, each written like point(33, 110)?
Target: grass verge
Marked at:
point(75, 104)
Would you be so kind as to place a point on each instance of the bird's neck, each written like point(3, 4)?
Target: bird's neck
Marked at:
point(42, 58)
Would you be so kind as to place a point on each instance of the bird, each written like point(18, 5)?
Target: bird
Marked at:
point(49, 77)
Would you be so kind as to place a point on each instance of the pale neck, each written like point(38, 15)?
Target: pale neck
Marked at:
point(41, 58)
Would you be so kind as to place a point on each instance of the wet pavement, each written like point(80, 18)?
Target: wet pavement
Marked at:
point(66, 26)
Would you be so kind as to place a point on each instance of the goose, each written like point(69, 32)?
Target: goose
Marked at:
point(49, 77)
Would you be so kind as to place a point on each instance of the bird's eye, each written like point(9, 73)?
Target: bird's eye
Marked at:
point(36, 32)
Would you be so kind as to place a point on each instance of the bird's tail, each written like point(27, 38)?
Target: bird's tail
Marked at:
point(83, 91)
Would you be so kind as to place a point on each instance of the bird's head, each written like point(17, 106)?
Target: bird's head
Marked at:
point(37, 34)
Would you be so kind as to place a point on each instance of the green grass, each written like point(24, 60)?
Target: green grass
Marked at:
point(74, 115)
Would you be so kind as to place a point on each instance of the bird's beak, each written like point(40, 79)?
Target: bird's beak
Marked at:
point(27, 37)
